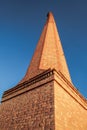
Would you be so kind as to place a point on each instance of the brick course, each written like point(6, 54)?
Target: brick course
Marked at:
point(53, 105)
point(48, 53)
point(45, 99)
point(70, 107)
point(33, 110)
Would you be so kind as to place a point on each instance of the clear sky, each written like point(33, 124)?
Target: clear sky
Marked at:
point(21, 23)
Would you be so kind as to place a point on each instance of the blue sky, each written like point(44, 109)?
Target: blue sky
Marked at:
point(21, 23)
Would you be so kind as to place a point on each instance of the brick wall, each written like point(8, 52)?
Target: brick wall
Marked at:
point(50, 103)
point(33, 110)
point(70, 109)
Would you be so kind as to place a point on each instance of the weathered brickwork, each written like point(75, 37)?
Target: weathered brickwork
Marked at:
point(69, 113)
point(45, 99)
point(48, 53)
point(51, 104)
point(33, 110)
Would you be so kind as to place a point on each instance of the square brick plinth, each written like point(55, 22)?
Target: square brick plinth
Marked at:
point(46, 102)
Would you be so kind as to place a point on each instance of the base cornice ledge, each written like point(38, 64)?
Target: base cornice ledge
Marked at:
point(44, 78)
point(32, 83)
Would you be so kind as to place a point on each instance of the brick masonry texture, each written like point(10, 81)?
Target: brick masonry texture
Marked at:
point(33, 110)
point(53, 105)
point(70, 109)
point(69, 114)
point(48, 53)
point(45, 99)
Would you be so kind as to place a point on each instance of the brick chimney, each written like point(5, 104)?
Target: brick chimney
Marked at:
point(48, 53)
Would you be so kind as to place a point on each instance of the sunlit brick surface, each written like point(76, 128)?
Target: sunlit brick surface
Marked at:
point(69, 114)
point(33, 110)
point(45, 99)
point(48, 53)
